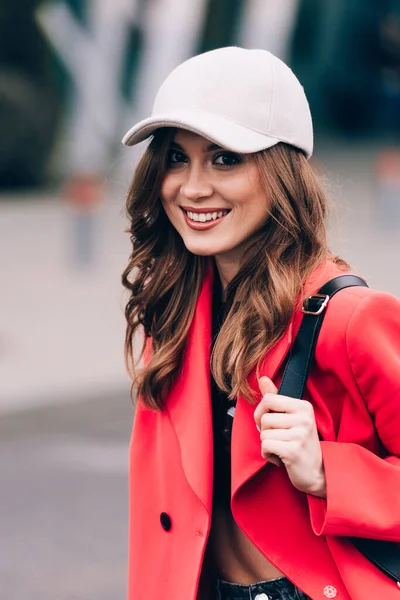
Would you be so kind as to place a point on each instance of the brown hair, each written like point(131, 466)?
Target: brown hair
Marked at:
point(165, 279)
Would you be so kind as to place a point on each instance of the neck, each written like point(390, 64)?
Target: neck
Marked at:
point(226, 270)
point(229, 263)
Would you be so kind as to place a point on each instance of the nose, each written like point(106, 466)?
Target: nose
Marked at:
point(196, 184)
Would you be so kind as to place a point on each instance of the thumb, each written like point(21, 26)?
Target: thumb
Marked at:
point(267, 386)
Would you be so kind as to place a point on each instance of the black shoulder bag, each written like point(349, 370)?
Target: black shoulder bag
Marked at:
point(384, 555)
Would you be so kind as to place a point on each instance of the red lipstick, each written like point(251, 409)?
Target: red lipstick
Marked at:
point(202, 225)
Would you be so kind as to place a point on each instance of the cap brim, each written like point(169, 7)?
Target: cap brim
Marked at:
point(217, 129)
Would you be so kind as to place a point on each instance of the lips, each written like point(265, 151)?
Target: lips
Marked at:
point(204, 218)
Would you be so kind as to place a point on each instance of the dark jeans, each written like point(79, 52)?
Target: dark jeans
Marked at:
point(276, 589)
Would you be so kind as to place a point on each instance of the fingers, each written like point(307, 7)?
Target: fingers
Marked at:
point(285, 435)
point(281, 404)
point(269, 402)
point(283, 422)
point(277, 421)
point(267, 386)
point(272, 458)
point(278, 448)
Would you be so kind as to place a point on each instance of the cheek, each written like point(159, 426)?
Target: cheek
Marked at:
point(259, 198)
point(246, 192)
point(166, 195)
point(252, 204)
point(169, 189)
point(167, 206)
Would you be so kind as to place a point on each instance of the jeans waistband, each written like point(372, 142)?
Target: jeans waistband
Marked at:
point(274, 589)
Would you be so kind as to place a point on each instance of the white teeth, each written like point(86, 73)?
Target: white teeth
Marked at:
point(203, 217)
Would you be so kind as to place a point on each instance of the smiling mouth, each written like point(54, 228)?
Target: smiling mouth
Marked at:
point(204, 217)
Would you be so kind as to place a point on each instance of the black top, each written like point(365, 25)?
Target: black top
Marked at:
point(222, 419)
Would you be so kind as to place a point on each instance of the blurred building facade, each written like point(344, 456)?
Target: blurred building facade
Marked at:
point(75, 74)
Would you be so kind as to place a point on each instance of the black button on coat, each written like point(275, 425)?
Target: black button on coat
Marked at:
point(165, 521)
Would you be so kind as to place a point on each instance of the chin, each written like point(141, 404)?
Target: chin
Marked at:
point(200, 251)
point(203, 250)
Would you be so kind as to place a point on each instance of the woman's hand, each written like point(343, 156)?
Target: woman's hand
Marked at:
point(289, 436)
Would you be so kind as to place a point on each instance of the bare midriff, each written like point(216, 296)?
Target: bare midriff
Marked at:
point(232, 556)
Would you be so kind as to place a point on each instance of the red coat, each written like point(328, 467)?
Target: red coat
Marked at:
point(355, 390)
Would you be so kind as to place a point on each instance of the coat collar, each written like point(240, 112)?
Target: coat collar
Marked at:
point(189, 400)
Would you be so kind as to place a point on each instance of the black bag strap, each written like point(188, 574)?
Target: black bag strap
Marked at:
point(303, 349)
point(384, 555)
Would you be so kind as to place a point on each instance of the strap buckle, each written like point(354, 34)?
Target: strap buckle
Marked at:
point(321, 300)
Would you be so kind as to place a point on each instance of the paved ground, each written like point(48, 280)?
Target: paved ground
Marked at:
point(63, 518)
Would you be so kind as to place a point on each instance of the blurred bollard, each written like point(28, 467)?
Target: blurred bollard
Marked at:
point(84, 194)
point(388, 187)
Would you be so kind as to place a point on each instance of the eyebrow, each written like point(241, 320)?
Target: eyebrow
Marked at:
point(209, 148)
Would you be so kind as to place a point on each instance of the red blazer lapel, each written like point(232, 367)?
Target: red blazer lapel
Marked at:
point(189, 400)
point(246, 449)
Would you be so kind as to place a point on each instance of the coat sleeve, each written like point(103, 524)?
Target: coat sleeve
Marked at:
point(363, 489)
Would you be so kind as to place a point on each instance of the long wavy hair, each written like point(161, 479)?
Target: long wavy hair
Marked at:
point(164, 279)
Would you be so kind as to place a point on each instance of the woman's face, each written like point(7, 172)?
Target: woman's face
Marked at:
point(213, 197)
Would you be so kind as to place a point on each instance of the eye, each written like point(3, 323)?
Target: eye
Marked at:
point(175, 157)
point(227, 159)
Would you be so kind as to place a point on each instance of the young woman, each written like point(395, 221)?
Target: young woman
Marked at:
point(228, 233)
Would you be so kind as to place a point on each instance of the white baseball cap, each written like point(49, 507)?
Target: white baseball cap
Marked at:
point(243, 100)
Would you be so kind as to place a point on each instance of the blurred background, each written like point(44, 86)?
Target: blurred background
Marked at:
point(74, 76)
